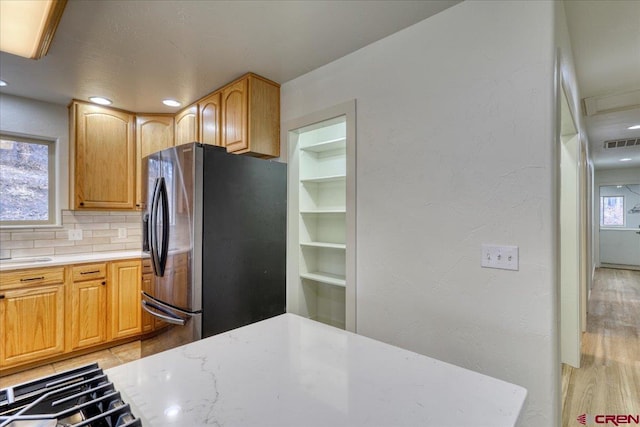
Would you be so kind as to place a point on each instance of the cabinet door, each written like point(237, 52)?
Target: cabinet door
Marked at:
point(88, 305)
point(234, 116)
point(124, 299)
point(251, 117)
point(209, 109)
point(104, 158)
point(148, 321)
point(31, 324)
point(153, 133)
point(186, 129)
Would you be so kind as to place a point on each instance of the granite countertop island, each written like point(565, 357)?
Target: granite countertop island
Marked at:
point(291, 371)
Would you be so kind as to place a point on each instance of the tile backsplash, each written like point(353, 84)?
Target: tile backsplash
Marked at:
point(100, 231)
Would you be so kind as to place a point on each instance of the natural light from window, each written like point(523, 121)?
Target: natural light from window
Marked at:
point(612, 211)
point(26, 181)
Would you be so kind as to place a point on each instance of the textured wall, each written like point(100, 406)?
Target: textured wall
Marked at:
point(29, 117)
point(455, 148)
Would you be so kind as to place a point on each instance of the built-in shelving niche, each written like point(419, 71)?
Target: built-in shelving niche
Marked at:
point(321, 271)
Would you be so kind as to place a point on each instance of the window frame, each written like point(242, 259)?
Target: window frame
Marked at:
point(602, 204)
point(52, 182)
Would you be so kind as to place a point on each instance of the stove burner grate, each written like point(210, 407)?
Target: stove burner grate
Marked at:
point(81, 397)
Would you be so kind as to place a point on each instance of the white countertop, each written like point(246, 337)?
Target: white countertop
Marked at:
point(56, 260)
point(291, 371)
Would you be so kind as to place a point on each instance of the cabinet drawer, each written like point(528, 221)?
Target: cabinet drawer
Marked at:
point(146, 266)
point(89, 272)
point(30, 277)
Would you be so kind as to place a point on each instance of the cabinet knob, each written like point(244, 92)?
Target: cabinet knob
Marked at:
point(104, 283)
point(1, 296)
point(81, 203)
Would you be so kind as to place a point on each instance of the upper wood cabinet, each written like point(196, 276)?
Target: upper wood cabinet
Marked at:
point(209, 110)
point(251, 116)
point(102, 158)
point(186, 128)
point(154, 132)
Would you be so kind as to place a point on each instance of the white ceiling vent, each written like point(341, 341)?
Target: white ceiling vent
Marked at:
point(622, 143)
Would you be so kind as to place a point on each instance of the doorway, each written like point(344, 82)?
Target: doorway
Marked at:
point(619, 223)
point(573, 236)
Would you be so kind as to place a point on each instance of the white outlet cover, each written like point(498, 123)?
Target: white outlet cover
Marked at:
point(75, 234)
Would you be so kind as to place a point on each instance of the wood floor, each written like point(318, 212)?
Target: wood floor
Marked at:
point(608, 381)
point(106, 359)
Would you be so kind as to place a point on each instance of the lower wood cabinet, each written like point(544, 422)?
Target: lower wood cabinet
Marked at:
point(149, 322)
point(124, 299)
point(31, 316)
point(47, 312)
point(87, 306)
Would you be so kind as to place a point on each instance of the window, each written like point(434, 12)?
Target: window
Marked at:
point(612, 211)
point(27, 181)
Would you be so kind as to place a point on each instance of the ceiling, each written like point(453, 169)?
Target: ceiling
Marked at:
point(605, 38)
point(138, 53)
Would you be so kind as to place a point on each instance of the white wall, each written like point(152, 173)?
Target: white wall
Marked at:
point(608, 177)
point(455, 129)
point(29, 117)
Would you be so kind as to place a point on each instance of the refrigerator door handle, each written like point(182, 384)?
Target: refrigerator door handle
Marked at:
point(153, 230)
point(166, 307)
point(164, 198)
point(166, 315)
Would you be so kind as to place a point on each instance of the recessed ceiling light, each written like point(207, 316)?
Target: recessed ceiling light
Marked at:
point(634, 127)
point(3, 83)
point(626, 159)
point(100, 100)
point(171, 103)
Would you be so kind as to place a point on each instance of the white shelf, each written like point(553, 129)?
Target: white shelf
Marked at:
point(328, 278)
point(323, 211)
point(320, 147)
point(330, 178)
point(324, 245)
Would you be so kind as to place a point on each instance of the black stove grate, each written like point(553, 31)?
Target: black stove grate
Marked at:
point(81, 397)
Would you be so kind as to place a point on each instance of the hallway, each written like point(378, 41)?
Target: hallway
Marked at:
point(608, 381)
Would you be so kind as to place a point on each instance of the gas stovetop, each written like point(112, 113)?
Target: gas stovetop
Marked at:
point(81, 397)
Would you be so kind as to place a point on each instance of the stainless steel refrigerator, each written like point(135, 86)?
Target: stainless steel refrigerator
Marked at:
point(214, 229)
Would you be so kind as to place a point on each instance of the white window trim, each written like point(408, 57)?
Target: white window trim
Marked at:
point(53, 220)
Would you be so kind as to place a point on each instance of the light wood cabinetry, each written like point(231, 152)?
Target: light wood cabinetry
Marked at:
point(154, 132)
point(210, 112)
point(47, 313)
point(31, 315)
point(124, 299)
point(321, 279)
point(102, 158)
point(87, 306)
point(148, 321)
point(251, 116)
point(186, 125)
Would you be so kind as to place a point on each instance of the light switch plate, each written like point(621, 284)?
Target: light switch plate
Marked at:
point(122, 233)
point(501, 257)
